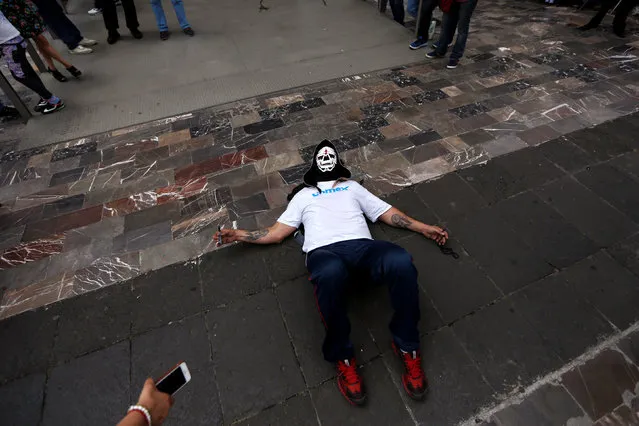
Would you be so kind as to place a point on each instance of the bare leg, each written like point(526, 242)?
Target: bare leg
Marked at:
point(49, 52)
point(45, 55)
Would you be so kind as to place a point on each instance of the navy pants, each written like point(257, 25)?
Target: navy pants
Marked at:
point(335, 266)
point(57, 21)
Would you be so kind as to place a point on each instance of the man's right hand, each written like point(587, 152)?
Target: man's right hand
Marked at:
point(228, 236)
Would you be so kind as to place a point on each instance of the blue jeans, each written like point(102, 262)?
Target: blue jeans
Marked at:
point(412, 7)
point(458, 17)
point(335, 266)
point(160, 18)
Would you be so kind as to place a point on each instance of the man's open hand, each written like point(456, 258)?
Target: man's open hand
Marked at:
point(228, 236)
point(436, 234)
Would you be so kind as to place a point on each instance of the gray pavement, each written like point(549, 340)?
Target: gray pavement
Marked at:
point(238, 52)
point(548, 271)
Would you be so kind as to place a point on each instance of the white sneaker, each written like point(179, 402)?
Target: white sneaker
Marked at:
point(95, 11)
point(80, 50)
point(86, 42)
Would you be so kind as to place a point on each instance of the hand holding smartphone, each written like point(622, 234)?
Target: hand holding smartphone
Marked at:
point(174, 380)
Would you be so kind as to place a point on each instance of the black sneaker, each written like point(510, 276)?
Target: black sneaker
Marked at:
point(113, 37)
point(433, 55)
point(164, 35)
point(137, 34)
point(9, 112)
point(452, 64)
point(40, 106)
point(51, 108)
point(188, 31)
point(418, 43)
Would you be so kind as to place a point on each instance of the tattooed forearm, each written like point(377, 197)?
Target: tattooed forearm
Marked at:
point(401, 221)
point(256, 235)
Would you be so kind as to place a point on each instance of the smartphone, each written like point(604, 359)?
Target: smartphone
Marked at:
point(174, 380)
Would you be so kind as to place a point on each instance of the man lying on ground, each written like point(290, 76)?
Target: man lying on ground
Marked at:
point(340, 248)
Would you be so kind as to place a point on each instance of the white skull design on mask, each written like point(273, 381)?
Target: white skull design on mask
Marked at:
point(326, 159)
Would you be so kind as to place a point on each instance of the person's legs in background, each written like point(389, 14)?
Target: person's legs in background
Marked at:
point(15, 55)
point(397, 7)
point(180, 13)
point(606, 5)
point(412, 7)
point(424, 20)
point(131, 16)
point(49, 53)
point(466, 10)
point(110, 17)
point(449, 24)
point(58, 22)
point(160, 18)
point(621, 15)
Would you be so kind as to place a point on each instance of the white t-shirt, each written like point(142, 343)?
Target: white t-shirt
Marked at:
point(7, 31)
point(336, 214)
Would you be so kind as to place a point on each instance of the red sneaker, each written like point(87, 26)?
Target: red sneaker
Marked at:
point(414, 379)
point(349, 382)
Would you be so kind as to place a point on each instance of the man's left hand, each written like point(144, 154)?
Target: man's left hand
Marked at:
point(436, 234)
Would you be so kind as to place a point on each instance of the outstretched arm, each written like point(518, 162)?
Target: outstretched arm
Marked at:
point(394, 217)
point(271, 235)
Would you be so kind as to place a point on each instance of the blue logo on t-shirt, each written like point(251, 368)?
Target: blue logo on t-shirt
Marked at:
point(331, 191)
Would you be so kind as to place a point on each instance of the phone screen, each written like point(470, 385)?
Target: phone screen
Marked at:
point(172, 382)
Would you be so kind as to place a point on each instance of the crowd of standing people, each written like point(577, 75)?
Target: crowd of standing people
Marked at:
point(457, 16)
point(22, 20)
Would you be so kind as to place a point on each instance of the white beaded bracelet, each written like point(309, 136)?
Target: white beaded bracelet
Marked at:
point(142, 410)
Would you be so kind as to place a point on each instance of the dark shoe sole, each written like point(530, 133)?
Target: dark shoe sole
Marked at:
point(353, 401)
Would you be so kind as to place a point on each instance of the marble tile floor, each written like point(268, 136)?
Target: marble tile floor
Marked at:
point(85, 214)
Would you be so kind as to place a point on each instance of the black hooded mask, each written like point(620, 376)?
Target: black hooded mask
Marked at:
point(326, 165)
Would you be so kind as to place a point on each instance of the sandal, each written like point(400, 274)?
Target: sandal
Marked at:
point(74, 71)
point(58, 75)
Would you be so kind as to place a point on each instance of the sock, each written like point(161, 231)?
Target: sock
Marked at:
point(53, 100)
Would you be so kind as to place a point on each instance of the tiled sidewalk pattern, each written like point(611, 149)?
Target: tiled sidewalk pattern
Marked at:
point(85, 214)
point(603, 387)
point(548, 268)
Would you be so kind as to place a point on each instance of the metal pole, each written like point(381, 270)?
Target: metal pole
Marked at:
point(14, 98)
point(37, 60)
